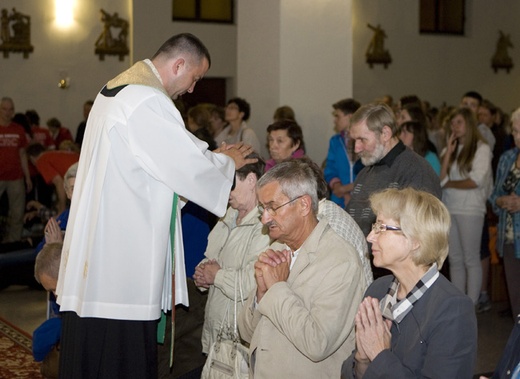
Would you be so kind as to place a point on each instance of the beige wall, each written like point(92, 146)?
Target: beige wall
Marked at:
point(33, 82)
point(153, 25)
point(259, 61)
point(303, 53)
point(296, 53)
point(438, 68)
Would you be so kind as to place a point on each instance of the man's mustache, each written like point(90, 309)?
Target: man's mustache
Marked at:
point(269, 224)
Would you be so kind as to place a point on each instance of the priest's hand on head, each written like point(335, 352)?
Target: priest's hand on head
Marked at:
point(238, 152)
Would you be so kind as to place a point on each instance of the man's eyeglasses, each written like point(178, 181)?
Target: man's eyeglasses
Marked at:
point(272, 211)
point(379, 227)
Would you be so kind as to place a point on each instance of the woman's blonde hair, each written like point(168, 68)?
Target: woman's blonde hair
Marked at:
point(423, 219)
point(471, 139)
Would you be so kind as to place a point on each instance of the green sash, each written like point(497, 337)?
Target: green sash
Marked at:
point(161, 327)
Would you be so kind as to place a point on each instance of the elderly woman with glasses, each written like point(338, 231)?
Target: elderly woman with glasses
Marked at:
point(414, 323)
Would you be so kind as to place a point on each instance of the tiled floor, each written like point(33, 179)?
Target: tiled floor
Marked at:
point(26, 308)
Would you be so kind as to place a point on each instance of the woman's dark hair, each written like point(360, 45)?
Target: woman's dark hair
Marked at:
point(420, 136)
point(33, 117)
point(294, 131)
point(205, 135)
point(257, 168)
point(416, 114)
point(284, 112)
point(243, 106)
point(410, 100)
point(35, 149)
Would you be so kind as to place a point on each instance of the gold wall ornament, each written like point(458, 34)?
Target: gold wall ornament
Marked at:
point(501, 58)
point(106, 43)
point(15, 33)
point(376, 53)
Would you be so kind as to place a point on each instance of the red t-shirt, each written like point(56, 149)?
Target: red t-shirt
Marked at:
point(42, 136)
point(63, 135)
point(12, 139)
point(55, 162)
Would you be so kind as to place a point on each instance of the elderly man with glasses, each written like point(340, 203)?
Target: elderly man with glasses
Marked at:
point(299, 319)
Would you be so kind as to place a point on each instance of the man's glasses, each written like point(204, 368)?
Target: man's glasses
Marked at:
point(379, 227)
point(272, 211)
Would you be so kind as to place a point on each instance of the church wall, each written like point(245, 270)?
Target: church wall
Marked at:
point(303, 53)
point(438, 68)
point(33, 82)
point(300, 58)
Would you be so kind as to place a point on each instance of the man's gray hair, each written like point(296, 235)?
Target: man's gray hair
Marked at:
point(296, 178)
point(376, 115)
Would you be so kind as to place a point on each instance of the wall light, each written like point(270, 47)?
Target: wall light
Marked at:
point(64, 12)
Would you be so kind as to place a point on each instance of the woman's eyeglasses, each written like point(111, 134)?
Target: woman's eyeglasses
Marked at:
point(379, 227)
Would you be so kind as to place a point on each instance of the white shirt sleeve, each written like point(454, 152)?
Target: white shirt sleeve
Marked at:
point(481, 164)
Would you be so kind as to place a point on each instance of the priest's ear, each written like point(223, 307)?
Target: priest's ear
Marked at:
point(178, 65)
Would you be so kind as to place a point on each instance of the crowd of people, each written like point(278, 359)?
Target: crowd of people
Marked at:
point(34, 160)
point(331, 270)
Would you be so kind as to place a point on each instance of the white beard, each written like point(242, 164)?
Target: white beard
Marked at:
point(373, 158)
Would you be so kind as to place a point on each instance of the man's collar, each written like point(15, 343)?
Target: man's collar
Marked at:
point(389, 158)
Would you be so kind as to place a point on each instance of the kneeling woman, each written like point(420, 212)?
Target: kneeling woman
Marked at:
point(414, 323)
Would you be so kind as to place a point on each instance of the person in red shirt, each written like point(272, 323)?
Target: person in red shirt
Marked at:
point(41, 191)
point(52, 166)
point(13, 169)
point(40, 134)
point(58, 132)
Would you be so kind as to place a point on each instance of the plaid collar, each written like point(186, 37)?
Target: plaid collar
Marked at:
point(397, 310)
